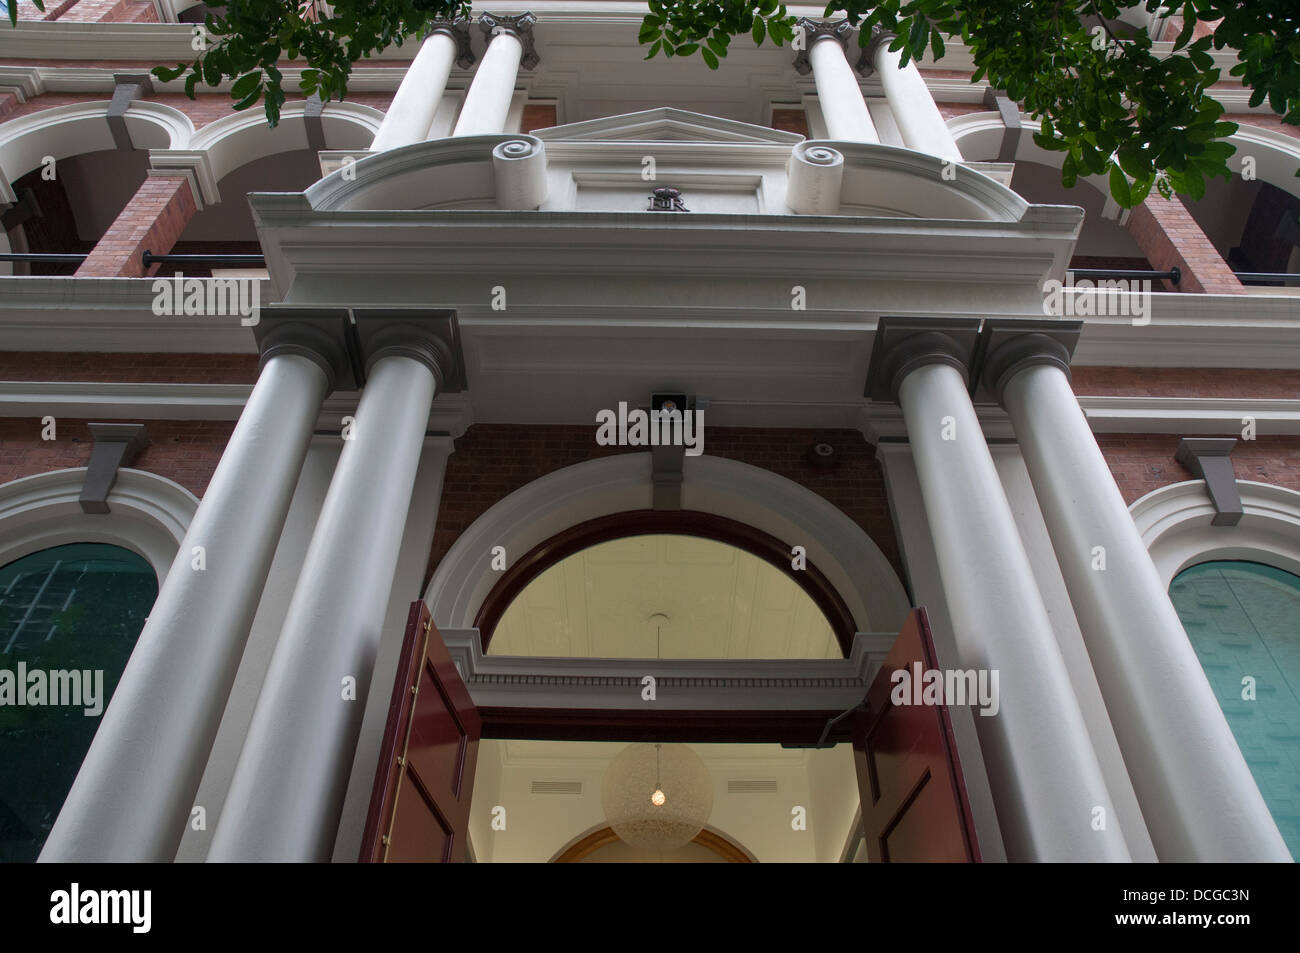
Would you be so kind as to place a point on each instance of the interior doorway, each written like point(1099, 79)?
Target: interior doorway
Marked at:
point(546, 801)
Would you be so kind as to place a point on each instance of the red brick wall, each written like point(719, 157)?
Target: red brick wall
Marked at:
point(1184, 382)
point(151, 221)
point(1169, 237)
point(492, 461)
point(186, 451)
point(1145, 462)
point(952, 110)
point(790, 120)
point(536, 116)
point(133, 367)
point(8, 105)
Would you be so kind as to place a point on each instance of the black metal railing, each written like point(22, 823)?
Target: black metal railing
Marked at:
point(1174, 274)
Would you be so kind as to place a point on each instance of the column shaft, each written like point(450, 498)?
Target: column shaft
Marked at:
point(134, 792)
point(1045, 776)
point(1198, 796)
point(411, 113)
point(842, 105)
point(289, 785)
point(919, 120)
point(487, 104)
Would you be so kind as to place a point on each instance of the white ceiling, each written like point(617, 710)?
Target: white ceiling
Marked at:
point(539, 826)
point(713, 601)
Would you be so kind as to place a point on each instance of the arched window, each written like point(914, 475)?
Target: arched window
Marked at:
point(69, 618)
point(665, 584)
point(1243, 619)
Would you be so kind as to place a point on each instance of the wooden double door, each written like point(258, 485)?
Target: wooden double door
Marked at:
point(914, 803)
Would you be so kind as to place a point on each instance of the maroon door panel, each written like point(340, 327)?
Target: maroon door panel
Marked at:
point(914, 805)
point(419, 808)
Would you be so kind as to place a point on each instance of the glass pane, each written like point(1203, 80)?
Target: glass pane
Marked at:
point(69, 618)
point(1243, 619)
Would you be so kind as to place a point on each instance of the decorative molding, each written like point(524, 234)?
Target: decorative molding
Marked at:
point(1176, 523)
point(149, 515)
point(833, 685)
point(23, 81)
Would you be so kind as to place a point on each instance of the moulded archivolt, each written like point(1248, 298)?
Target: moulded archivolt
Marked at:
point(149, 515)
point(1175, 525)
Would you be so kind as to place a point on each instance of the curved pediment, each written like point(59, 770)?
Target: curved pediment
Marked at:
point(484, 172)
point(667, 124)
point(872, 179)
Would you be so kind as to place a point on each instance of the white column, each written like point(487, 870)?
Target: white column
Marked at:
point(1046, 780)
point(838, 95)
point(289, 785)
point(411, 113)
point(487, 104)
point(1197, 793)
point(134, 793)
point(919, 121)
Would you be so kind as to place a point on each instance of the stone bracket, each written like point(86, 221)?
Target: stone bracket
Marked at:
point(1010, 114)
point(116, 446)
point(520, 26)
point(313, 109)
point(814, 30)
point(1208, 459)
point(666, 476)
point(129, 88)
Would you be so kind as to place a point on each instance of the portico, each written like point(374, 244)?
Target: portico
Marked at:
point(866, 283)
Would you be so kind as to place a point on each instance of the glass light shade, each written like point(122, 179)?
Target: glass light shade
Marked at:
point(633, 784)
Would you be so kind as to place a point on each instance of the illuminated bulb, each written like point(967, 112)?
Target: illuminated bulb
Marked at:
point(658, 799)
